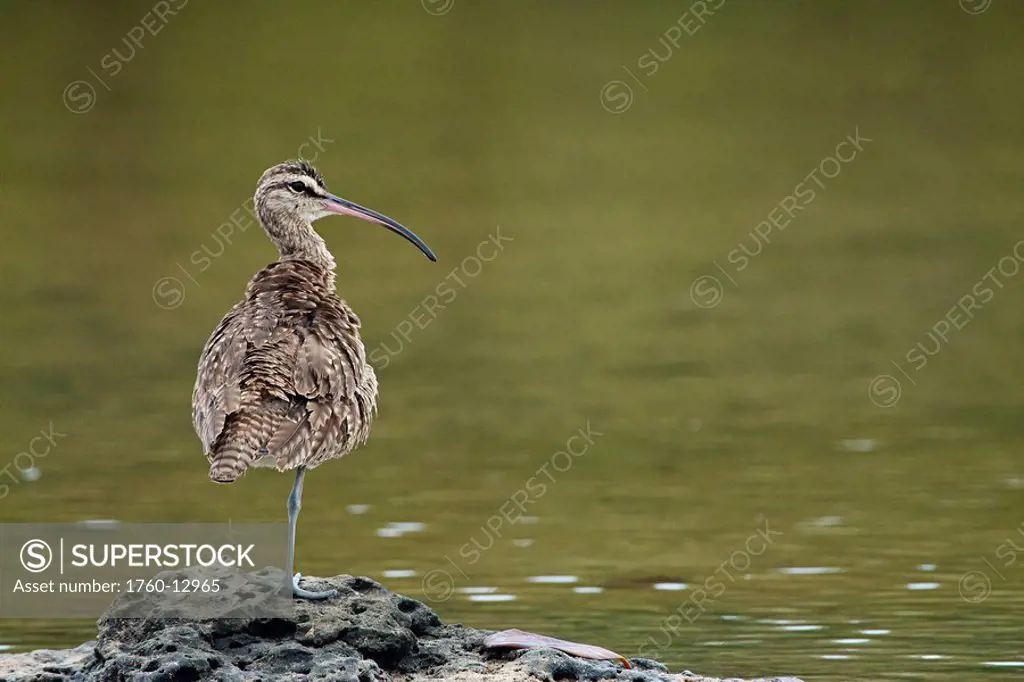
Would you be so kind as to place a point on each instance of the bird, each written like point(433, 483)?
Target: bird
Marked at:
point(283, 380)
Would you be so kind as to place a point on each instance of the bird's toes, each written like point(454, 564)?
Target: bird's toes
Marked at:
point(306, 594)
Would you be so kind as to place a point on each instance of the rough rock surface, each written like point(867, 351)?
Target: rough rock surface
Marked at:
point(366, 634)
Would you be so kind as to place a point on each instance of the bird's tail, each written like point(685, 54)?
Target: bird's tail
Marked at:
point(227, 465)
point(236, 448)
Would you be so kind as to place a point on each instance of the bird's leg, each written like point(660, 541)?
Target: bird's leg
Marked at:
point(294, 505)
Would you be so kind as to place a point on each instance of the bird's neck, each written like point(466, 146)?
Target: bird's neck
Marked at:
point(296, 239)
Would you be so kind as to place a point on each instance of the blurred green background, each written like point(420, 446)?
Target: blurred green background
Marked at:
point(619, 188)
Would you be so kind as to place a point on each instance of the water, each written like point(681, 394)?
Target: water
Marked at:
point(708, 425)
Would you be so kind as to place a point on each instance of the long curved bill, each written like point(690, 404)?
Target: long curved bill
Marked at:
point(345, 207)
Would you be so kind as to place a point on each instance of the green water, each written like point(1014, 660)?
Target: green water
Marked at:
point(714, 422)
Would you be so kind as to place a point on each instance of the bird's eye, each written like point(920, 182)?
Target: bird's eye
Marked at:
point(298, 187)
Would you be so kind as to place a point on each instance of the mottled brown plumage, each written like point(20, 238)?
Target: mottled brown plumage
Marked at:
point(283, 380)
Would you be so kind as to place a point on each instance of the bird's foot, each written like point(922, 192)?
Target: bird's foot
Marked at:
point(306, 594)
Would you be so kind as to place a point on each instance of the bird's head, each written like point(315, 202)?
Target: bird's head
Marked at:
point(294, 192)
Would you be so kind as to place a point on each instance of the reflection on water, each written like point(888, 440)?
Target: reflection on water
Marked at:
point(923, 586)
point(396, 529)
point(399, 573)
point(670, 587)
point(809, 570)
point(553, 579)
point(491, 597)
point(100, 524)
point(588, 589)
point(479, 589)
point(715, 421)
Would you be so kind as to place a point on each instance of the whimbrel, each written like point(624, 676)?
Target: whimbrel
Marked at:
point(283, 380)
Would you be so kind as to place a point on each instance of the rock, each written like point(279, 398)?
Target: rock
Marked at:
point(366, 634)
